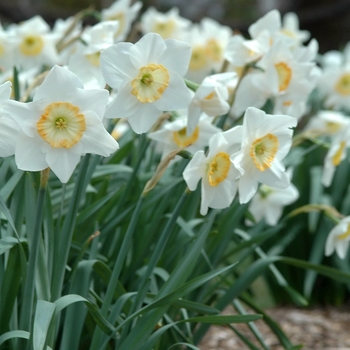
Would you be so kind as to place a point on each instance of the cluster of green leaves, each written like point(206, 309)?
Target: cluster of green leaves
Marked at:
point(100, 264)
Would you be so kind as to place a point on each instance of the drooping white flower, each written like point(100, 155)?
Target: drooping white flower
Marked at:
point(266, 140)
point(335, 155)
point(211, 97)
point(338, 238)
point(63, 122)
point(328, 123)
point(125, 14)
point(173, 135)
point(167, 25)
point(148, 77)
point(268, 203)
point(218, 175)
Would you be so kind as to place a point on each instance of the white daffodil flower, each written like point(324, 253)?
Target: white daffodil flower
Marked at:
point(148, 77)
point(85, 61)
point(282, 77)
point(287, 30)
point(327, 123)
point(167, 25)
point(211, 97)
point(266, 140)
point(240, 51)
point(173, 135)
point(216, 171)
point(268, 203)
point(125, 14)
point(7, 45)
point(338, 238)
point(335, 155)
point(208, 40)
point(8, 127)
point(63, 122)
point(35, 44)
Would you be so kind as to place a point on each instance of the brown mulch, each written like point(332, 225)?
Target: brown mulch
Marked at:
point(317, 329)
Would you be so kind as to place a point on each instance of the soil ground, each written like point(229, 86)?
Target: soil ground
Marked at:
point(316, 329)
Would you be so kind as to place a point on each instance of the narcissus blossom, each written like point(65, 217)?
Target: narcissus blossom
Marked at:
point(338, 239)
point(63, 122)
point(266, 140)
point(173, 135)
point(216, 171)
point(85, 61)
point(8, 127)
point(268, 203)
point(124, 13)
point(148, 77)
point(35, 43)
point(335, 155)
point(167, 25)
point(211, 97)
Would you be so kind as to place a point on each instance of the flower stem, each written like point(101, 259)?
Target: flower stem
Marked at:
point(29, 284)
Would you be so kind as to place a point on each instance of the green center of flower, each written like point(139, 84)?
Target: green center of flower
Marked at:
point(343, 85)
point(218, 168)
point(346, 234)
point(183, 140)
point(214, 50)
point(165, 28)
point(32, 45)
point(265, 191)
point(284, 75)
point(94, 58)
point(199, 58)
point(61, 125)
point(263, 151)
point(150, 83)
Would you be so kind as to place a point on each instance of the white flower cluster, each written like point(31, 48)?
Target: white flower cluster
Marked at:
point(179, 82)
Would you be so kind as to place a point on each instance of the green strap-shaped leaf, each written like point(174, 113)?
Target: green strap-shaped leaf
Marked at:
point(67, 300)
point(43, 315)
point(16, 334)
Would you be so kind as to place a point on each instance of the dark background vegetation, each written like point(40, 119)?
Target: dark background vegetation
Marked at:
point(327, 20)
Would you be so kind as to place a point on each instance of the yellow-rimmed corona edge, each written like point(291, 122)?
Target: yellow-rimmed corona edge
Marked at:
point(32, 45)
point(263, 151)
point(61, 125)
point(183, 140)
point(342, 86)
point(150, 83)
point(284, 75)
point(336, 159)
point(210, 96)
point(333, 127)
point(218, 168)
point(346, 234)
